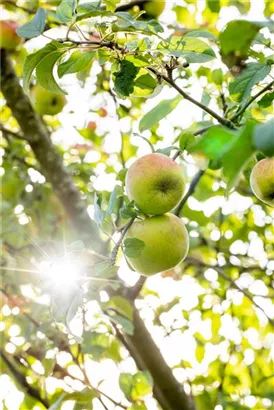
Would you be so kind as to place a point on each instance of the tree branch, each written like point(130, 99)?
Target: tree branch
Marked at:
point(22, 380)
point(46, 153)
point(250, 101)
point(170, 81)
point(190, 191)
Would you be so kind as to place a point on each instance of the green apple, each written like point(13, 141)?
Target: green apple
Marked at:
point(156, 183)
point(166, 243)
point(9, 39)
point(154, 8)
point(262, 180)
point(46, 102)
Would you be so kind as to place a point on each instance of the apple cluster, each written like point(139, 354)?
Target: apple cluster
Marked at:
point(156, 184)
point(262, 181)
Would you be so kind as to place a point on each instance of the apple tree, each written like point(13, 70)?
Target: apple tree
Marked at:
point(135, 286)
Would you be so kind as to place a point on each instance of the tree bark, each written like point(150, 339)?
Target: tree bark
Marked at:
point(167, 390)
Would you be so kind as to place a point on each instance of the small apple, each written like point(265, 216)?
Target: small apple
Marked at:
point(154, 8)
point(92, 125)
point(102, 112)
point(9, 39)
point(262, 180)
point(166, 243)
point(156, 183)
point(46, 102)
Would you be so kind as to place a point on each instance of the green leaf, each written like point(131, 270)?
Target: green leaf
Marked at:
point(213, 5)
point(122, 305)
point(77, 62)
point(238, 154)
point(199, 353)
point(104, 270)
point(240, 88)
point(200, 34)
point(116, 193)
point(125, 383)
point(263, 138)
point(99, 215)
point(44, 72)
point(56, 405)
point(142, 385)
point(133, 247)
point(192, 49)
point(145, 82)
point(35, 26)
point(124, 79)
point(185, 139)
point(214, 143)
point(66, 10)
point(123, 322)
point(158, 113)
point(128, 210)
point(266, 101)
point(238, 36)
point(111, 4)
point(83, 396)
point(33, 59)
point(126, 22)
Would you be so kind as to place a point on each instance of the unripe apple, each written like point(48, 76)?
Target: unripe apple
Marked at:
point(46, 102)
point(155, 7)
point(9, 39)
point(92, 125)
point(156, 183)
point(166, 243)
point(262, 180)
point(102, 112)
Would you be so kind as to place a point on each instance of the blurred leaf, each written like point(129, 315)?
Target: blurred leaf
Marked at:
point(121, 305)
point(66, 10)
point(238, 36)
point(266, 100)
point(35, 26)
point(142, 385)
point(133, 247)
point(44, 72)
point(77, 62)
point(158, 113)
point(263, 138)
point(240, 88)
point(125, 383)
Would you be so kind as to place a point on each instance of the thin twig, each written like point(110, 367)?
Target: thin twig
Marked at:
point(250, 101)
point(119, 242)
point(168, 79)
point(190, 191)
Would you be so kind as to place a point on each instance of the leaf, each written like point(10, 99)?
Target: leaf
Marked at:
point(125, 383)
point(240, 88)
point(213, 5)
point(145, 82)
point(44, 72)
point(33, 59)
point(99, 215)
point(238, 154)
point(83, 396)
point(56, 405)
point(116, 193)
point(158, 113)
point(199, 353)
point(200, 34)
point(66, 10)
point(133, 247)
point(77, 62)
point(185, 139)
point(214, 143)
point(192, 49)
point(124, 79)
point(263, 138)
point(126, 23)
point(238, 36)
point(122, 305)
point(111, 4)
point(104, 270)
point(266, 101)
point(142, 385)
point(128, 210)
point(35, 26)
point(125, 323)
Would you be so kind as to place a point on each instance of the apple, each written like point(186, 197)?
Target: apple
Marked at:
point(262, 180)
point(9, 39)
point(154, 8)
point(46, 102)
point(166, 243)
point(102, 112)
point(156, 183)
point(92, 125)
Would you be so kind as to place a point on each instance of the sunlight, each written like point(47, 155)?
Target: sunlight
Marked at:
point(64, 272)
